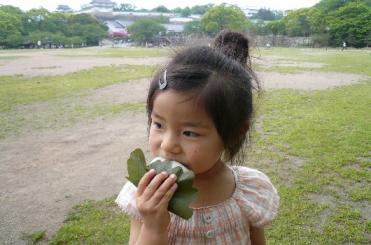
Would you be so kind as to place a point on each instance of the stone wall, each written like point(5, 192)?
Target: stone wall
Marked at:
point(281, 41)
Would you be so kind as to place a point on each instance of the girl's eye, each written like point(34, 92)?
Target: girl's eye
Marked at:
point(157, 125)
point(190, 134)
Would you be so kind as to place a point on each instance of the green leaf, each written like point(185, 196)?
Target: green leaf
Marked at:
point(137, 166)
point(184, 195)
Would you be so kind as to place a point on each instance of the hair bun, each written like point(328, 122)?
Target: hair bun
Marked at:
point(234, 45)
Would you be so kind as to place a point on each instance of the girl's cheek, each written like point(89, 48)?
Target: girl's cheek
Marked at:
point(154, 142)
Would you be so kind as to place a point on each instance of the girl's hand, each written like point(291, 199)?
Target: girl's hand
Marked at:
point(153, 195)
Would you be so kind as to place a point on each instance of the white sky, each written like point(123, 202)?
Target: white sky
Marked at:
point(51, 5)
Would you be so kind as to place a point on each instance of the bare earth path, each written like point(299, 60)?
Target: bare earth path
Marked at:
point(44, 174)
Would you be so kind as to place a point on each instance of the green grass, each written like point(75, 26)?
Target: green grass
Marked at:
point(330, 131)
point(335, 60)
point(10, 57)
point(128, 52)
point(35, 237)
point(133, 52)
point(45, 67)
point(38, 103)
point(19, 90)
point(115, 52)
point(60, 114)
point(94, 222)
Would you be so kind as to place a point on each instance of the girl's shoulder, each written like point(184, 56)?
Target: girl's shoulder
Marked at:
point(256, 195)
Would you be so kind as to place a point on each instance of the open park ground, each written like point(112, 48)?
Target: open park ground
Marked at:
point(70, 118)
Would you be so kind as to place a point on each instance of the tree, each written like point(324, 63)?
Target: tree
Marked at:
point(261, 27)
point(264, 14)
point(177, 10)
point(186, 12)
point(351, 23)
point(201, 9)
point(10, 29)
point(276, 27)
point(161, 9)
point(127, 7)
point(331, 5)
point(193, 27)
point(224, 17)
point(93, 34)
point(145, 30)
point(297, 23)
point(17, 28)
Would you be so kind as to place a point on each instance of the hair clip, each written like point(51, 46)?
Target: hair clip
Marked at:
point(162, 83)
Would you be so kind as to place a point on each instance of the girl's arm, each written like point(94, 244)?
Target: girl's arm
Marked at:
point(257, 236)
point(153, 195)
point(135, 226)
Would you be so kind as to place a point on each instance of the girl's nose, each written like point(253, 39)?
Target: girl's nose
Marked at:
point(170, 144)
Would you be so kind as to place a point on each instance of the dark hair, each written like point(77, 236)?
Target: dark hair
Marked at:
point(221, 82)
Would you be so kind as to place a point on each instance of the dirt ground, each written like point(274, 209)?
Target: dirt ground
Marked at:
point(44, 174)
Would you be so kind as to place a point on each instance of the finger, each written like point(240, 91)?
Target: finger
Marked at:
point(164, 188)
point(145, 180)
point(154, 185)
point(168, 195)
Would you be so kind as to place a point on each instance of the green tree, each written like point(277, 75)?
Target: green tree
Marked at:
point(161, 9)
point(186, 12)
point(351, 23)
point(224, 17)
point(193, 27)
point(126, 7)
point(93, 34)
point(297, 23)
point(201, 9)
point(57, 22)
point(261, 27)
point(264, 14)
point(331, 5)
point(276, 27)
point(10, 29)
point(145, 30)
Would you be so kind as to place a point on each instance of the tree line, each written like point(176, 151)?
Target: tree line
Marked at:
point(41, 27)
point(184, 12)
point(328, 23)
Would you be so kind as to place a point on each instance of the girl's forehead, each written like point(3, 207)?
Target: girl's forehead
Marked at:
point(179, 98)
point(180, 105)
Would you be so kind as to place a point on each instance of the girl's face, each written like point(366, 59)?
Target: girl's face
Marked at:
point(182, 131)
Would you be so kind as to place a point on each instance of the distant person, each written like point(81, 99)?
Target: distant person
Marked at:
point(200, 109)
point(344, 46)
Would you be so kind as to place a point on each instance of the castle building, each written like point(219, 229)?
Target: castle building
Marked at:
point(63, 9)
point(101, 6)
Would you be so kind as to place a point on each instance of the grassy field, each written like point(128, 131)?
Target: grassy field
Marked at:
point(100, 52)
point(314, 145)
point(59, 97)
point(349, 61)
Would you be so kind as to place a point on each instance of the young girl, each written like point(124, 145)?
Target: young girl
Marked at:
point(199, 113)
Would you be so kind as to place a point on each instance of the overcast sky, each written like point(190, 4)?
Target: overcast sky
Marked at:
point(149, 4)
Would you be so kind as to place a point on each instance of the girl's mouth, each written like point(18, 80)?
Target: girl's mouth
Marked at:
point(185, 165)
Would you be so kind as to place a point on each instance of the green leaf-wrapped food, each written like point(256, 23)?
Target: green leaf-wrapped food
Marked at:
point(185, 193)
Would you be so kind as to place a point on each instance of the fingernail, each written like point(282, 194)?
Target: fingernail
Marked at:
point(173, 176)
point(152, 171)
point(164, 173)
